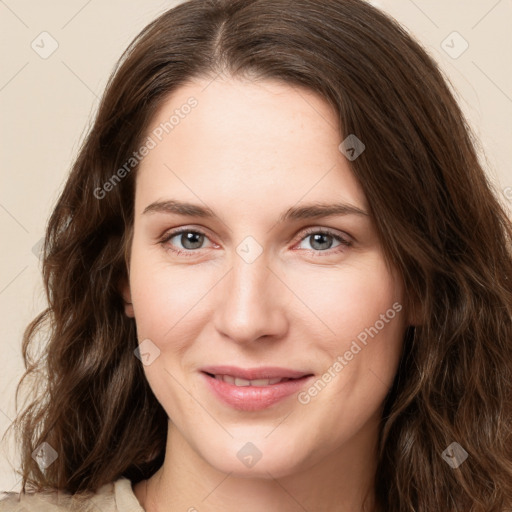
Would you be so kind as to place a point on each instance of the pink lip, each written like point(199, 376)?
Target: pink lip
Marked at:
point(265, 372)
point(254, 398)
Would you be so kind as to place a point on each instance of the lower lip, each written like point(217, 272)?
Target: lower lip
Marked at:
point(254, 398)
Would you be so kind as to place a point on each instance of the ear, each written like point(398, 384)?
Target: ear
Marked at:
point(126, 294)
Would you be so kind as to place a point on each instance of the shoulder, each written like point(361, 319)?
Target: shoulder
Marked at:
point(35, 501)
point(107, 499)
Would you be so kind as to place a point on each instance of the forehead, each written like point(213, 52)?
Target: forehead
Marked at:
point(238, 141)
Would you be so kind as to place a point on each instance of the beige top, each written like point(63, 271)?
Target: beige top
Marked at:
point(117, 496)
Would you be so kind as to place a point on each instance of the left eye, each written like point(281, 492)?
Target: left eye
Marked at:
point(192, 240)
point(318, 238)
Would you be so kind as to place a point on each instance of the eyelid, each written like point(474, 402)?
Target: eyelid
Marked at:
point(305, 232)
point(171, 233)
point(344, 238)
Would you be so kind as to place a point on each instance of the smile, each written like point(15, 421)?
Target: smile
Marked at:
point(244, 382)
point(254, 394)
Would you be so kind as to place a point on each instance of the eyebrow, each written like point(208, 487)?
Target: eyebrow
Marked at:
point(308, 211)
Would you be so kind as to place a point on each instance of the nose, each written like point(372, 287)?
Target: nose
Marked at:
point(251, 302)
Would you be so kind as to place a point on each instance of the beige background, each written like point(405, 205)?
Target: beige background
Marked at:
point(47, 103)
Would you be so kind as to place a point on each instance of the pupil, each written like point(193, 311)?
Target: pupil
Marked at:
point(195, 239)
point(188, 238)
point(324, 245)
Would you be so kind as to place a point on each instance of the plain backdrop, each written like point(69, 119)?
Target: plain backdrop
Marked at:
point(56, 59)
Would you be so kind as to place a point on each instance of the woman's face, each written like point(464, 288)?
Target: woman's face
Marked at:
point(266, 286)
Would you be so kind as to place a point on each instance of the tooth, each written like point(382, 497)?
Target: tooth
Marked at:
point(261, 382)
point(237, 381)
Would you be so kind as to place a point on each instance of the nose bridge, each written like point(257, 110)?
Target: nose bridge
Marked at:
point(249, 280)
point(249, 303)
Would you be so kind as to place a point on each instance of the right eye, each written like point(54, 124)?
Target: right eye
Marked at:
point(190, 239)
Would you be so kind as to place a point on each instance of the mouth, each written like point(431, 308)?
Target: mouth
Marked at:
point(238, 381)
point(253, 389)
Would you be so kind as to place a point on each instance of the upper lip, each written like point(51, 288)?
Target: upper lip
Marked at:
point(263, 372)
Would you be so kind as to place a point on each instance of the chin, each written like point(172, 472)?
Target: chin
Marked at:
point(259, 458)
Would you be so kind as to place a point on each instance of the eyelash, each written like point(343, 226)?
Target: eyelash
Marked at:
point(344, 243)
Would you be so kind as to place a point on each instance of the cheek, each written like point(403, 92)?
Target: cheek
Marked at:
point(162, 294)
point(170, 302)
point(347, 301)
point(362, 308)
point(351, 299)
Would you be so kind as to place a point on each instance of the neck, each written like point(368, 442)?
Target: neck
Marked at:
point(340, 482)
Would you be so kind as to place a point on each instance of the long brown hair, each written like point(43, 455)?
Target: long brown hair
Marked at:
point(438, 218)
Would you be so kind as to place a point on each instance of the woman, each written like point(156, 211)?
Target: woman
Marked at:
point(278, 279)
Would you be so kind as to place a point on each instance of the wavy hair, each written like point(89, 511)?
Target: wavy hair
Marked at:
point(440, 223)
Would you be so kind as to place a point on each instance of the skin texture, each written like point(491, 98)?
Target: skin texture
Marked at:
point(249, 151)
